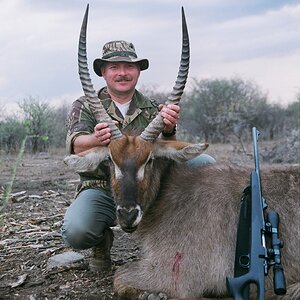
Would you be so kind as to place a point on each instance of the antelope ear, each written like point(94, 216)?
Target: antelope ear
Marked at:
point(178, 151)
point(87, 161)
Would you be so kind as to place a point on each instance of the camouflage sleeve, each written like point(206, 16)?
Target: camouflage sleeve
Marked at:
point(80, 121)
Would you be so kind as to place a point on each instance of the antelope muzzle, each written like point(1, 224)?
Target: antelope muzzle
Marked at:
point(129, 217)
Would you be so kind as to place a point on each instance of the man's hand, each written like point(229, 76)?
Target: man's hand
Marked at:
point(100, 137)
point(103, 133)
point(170, 114)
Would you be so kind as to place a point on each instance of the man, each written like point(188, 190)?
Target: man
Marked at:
point(89, 218)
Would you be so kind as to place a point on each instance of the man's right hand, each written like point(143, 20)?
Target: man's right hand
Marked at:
point(103, 133)
point(100, 137)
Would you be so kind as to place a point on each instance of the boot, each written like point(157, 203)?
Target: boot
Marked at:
point(101, 260)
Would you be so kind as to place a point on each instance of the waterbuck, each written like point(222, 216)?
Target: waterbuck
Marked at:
point(185, 218)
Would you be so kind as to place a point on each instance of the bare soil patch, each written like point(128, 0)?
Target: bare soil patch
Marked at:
point(30, 234)
point(30, 231)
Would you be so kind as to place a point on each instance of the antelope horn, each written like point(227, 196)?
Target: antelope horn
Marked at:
point(156, 126)
point(94, 102)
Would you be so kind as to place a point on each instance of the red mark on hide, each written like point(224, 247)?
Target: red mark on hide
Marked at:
point(176, 270)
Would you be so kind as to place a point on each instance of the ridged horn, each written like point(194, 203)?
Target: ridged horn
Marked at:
point(94, 102)
point(156, 126)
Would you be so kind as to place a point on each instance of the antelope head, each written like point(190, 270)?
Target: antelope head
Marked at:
point(133, 168)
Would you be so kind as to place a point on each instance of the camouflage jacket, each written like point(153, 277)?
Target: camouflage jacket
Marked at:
point(82, 121)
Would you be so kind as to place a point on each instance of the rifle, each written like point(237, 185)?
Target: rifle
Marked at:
point(252, 257)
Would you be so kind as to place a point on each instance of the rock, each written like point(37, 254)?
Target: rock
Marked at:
point(64, 259)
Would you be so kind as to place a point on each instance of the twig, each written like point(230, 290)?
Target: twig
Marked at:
point(41, 230)
point(77, 266)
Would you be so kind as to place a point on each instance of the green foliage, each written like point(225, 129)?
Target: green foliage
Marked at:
point(38, 119)
point(43, 125)
point(59, 130)
point(220, 110)
point(12, 133)
point(215, 110)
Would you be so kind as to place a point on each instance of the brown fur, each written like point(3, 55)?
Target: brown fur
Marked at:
point(188, 231)
point(189, 217)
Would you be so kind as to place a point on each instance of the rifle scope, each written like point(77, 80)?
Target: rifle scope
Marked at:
point(277, 244)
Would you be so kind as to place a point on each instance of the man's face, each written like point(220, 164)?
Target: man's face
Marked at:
point(121, 77)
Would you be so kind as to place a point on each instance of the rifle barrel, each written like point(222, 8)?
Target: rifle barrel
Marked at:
point(255, 137)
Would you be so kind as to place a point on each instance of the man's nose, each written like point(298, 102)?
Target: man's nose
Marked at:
point(122, 71)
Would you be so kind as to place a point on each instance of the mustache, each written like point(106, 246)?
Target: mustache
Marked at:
point(123, 78)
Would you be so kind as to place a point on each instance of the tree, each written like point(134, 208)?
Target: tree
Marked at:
point(59, 131)
point(293, 115)
point(153, 92)
point(38, 121)
point(2, 111)
point(41, 125)
point(217, 110)
point(12, 133)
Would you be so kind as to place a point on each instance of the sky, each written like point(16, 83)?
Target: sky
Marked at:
point(257, 40)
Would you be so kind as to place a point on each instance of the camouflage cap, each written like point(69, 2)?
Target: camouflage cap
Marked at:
point(119, 51)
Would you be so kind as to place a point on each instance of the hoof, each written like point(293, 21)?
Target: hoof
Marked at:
point(153, 296)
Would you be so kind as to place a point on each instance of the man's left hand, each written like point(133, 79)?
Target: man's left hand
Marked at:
point(170, 114)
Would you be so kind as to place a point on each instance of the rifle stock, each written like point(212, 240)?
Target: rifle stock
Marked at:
point(257, 253)
point(252, 227)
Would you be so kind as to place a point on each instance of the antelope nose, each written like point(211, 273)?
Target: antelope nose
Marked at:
point(129, 217)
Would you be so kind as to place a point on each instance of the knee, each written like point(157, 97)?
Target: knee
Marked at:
point(80, 236)
point(73, 235)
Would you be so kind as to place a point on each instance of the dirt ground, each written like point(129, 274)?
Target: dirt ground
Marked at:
point(30, 234)
point(29, 231)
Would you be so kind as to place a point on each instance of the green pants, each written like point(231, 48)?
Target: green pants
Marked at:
point(87, 217)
